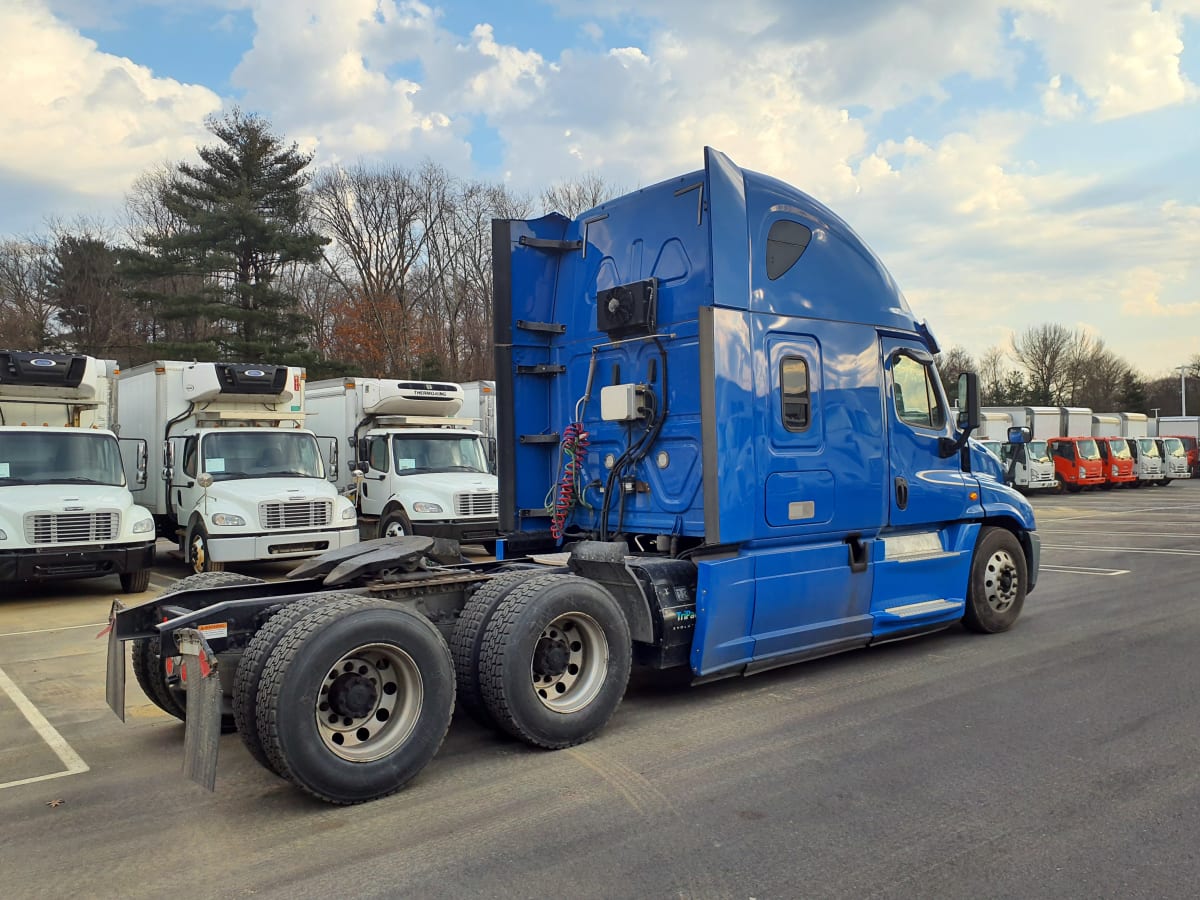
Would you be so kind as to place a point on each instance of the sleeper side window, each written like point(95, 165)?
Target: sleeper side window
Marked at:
point(786, 243)
point(794, 391)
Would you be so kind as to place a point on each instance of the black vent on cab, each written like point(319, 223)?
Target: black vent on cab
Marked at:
point(627, 309)
point(248, 378)
point(41, 369)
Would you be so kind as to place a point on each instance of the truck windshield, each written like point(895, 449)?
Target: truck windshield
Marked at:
point(263, 453)
point(1174, 447)
point(1036, 451)
point(1119, 449)
point(437, 453)
point(1088, 450)
point(41, 457)
point(1148, 447)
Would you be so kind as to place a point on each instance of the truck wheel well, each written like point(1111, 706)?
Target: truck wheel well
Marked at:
point(1018, 532)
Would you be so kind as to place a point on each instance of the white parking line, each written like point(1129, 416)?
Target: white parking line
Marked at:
point(1084, 570)
point(1167, 551)
point(48, 630)
point(75, 765)
point(1108, 531)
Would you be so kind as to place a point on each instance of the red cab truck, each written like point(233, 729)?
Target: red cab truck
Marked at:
point(1117, 462)
point(1077, 462)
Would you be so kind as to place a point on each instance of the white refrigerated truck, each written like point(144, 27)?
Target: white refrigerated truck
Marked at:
point(66, 510)
point(242, 478)
point(424, 467)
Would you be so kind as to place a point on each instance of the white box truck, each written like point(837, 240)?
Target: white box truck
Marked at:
point(479, 405)
point(242, 479)
point(1187, 429)
point(66, 510)
point(1075, 421)
point(1147, 458)
point(1027, 465)
point(424, 467)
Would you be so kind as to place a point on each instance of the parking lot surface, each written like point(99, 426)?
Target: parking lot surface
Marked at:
point(1059, 759)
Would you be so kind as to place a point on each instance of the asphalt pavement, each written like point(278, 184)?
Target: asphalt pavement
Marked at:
point(1061, 759)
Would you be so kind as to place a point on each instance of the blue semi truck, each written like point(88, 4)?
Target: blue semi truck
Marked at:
point(723, 445)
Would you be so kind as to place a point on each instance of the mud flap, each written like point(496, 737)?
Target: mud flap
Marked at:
point(202, 731)
point(114, 677)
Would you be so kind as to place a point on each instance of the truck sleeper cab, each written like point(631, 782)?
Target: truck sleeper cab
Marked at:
point(1117, 462)
point(1077, 462)
point(723, 444)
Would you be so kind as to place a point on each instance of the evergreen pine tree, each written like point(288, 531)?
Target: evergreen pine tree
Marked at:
point(241, 215)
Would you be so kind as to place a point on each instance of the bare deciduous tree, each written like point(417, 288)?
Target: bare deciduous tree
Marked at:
point(27, 308)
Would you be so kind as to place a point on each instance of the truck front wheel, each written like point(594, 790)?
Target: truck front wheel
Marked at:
point(998, 583)
point(198, 558)
point(395, 524)
point(135, 582)
point(555, 661)
point(356, 700)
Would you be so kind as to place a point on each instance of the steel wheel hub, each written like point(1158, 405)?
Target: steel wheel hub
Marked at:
point(1000, 581)
point(369, 702)
point(570, 662)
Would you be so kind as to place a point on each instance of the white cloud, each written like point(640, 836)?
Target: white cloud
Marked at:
point(1058, 103)
point(82, 119)
point(1125, 56)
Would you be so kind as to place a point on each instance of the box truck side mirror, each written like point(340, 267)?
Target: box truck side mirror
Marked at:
point(1020, 434)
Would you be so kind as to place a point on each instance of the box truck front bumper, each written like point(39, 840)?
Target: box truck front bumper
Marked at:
point(278, 545)
point(469, 532)
point(75, 562)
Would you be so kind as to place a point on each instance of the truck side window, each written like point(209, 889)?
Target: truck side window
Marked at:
point(377, 454)
point(189, 457)
point(793, 388)
point(916, 398)
point(786, 242)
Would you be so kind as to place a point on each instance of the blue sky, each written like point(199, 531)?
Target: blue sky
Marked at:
point(1012, 162)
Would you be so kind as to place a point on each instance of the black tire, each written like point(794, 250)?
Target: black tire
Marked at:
point(254, 661)
point(998, 583)
point(149, 668)
point(555, 661)
point(195, 552)
point(467, 637)
point(1073, 488)
point(302, 671)
point(135, 582)
point(397, 522)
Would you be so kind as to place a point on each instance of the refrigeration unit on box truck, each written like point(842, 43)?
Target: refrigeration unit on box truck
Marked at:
point(66, 510)
point(722, 424)
point(241, 479)
point(424, 467)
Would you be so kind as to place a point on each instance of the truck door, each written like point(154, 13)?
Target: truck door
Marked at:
point(923, 559)
point(375, 487)
point(925, 488)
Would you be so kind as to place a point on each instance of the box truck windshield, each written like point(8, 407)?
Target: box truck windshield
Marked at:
point(1037, 452)
point(434, 453)
point(56, 457)
point(1088, 449)
point(259, 454)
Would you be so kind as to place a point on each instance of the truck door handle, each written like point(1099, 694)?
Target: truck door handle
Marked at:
point(901, 493)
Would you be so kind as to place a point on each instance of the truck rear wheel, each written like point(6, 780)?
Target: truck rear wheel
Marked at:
point(197, 556)
point(469, 629)
point(254, 661)
point(555, 661)
point(998, 583)
point(150, 669)
point(356, 700)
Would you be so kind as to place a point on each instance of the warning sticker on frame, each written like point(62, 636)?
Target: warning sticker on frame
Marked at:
point(215, 630)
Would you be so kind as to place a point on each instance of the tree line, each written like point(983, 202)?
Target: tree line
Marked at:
point(248, 255)
point(377, 271)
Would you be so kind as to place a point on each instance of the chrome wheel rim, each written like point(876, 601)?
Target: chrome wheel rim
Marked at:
point(570, 662)
point(1001, 580)
point(369, 702)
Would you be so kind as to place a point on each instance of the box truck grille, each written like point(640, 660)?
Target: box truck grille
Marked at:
point(295, 514)
point(42, 529)
point(484, 504)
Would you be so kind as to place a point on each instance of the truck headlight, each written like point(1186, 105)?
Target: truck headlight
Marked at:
point(3, 535)
point(426, 508)
point(227, 519)
point(1082, 472)
point(348, 512)
point(144, 526)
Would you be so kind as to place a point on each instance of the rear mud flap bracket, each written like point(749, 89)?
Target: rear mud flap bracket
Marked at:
point(203, 729)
